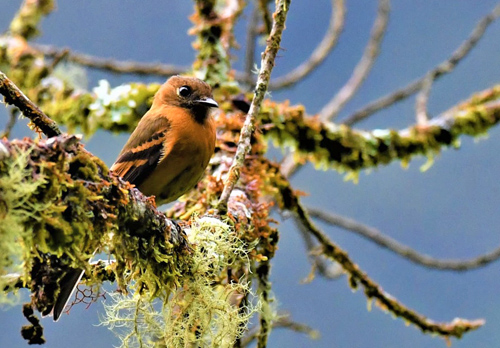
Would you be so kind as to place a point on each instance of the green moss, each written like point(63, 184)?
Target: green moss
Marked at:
point(203, 311)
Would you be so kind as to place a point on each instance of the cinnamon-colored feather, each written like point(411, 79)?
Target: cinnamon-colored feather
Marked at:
point(168, 152)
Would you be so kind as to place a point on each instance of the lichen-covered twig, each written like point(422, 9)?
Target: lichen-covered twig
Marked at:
point(252, 34)
point(284, 321)
point(443, 68)
point(110, 64)
point(374, 235)
point(372, 290)
point(327, 268)
point(350, 150)
point(213, 25)
point(14, 96)
point(363, 68)
point(319, 54)
point(25, 22)
point(267, 64)
point(266, 15)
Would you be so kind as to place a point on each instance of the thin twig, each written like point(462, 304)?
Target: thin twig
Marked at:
point(251, 38)
point(445, 67)
point(266, 16)
point(374, 235)
point(364, 66)
point(267, 64)
point(421, 113)
point(335, 27)
point(10, 124)
point(14, 96)
point(373, 291)
point(110, 64)
point(326, 268)
point(283, 322)
point(264, 291)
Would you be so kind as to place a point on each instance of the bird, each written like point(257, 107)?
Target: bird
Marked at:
point(167, 153)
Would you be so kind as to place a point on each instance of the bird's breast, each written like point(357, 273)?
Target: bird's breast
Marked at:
point(187, 152)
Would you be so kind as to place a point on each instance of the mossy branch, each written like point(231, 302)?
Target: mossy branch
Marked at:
point(26, 21)
point(345, 149)
point(267, 64)
point(60, 200)
point(357, 277)
point(13, 95)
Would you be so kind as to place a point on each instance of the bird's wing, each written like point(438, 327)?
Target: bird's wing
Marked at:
point(143, 151)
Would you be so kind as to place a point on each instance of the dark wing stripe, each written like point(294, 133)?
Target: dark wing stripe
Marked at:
point(145, 150)
point(137, 174)
point(137, 164)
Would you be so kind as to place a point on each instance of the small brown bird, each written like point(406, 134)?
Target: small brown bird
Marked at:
point(167, 153)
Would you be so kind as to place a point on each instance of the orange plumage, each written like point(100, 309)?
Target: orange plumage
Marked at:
point(168, 152)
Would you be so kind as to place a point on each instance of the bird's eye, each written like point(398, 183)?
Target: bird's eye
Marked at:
point(184, 91)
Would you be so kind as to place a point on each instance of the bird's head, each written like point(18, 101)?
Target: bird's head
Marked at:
point(189, 93)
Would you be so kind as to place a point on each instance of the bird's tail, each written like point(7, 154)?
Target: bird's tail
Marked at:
point(68, 285)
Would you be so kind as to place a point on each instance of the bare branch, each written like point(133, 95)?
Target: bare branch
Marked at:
point(283, 322)
point(110, 64)
point(266, 16)
point(421, 112)
point(252, 33)
point(364, 66)
point(373, 291)
point(267, 64)
point(326, 268)
point(444, 68)
point(10, 124)
point(14, 96)
point(374, 235)
point(319, 54)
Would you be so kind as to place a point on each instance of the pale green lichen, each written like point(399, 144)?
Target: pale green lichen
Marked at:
point(16, 210)
point(204, 310)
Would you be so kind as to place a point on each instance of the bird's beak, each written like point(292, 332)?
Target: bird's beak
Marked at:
point(208, 102)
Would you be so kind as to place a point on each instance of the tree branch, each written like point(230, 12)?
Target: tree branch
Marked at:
point(13, 95)
point(350, 150)
point(443, 68)
point(110, 64)
point(26, 21)
point(372, 290)
point(267, 64)
point(364, 66)
point(391, 244)
point(283, 322)
point(319, 54)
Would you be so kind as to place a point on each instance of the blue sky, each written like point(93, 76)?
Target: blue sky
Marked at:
point(449, 211)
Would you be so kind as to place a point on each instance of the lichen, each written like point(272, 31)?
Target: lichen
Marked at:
point(205, 310)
